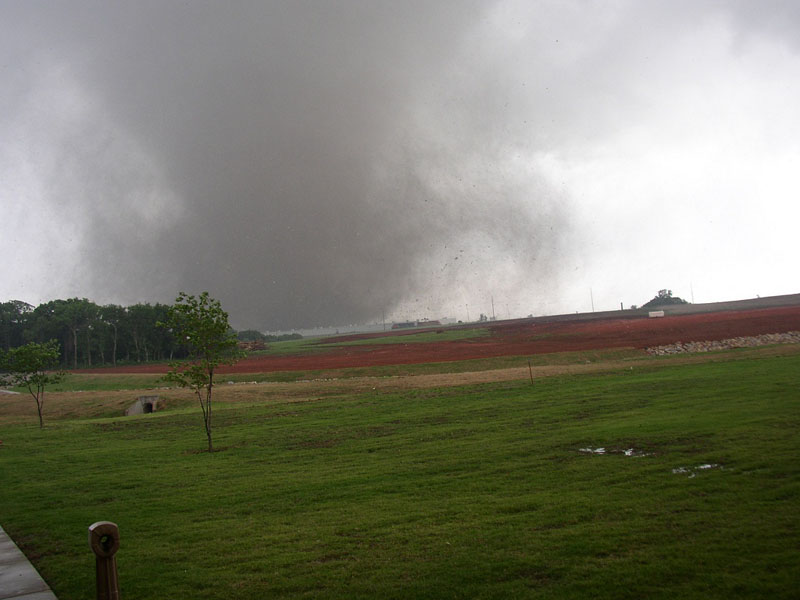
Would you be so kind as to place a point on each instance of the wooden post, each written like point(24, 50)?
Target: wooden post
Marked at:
point(530, 370)
point(104, 542)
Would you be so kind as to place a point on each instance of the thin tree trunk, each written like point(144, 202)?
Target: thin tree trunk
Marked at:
point(39, 406)
point(208, 421)
point(38, 396)
point(114, 350)
point(75, 347)
point(208, 411)
point(205, 406)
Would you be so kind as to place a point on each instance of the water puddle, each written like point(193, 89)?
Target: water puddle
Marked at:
point(634, 452)
point(692, 471)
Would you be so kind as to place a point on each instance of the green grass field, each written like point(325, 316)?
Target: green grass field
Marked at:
point(478, 491)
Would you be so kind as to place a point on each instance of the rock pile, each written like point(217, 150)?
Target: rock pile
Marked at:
point(791, 337)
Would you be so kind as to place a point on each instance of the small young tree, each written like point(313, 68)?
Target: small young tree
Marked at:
point(28, 366)
point(200, 324)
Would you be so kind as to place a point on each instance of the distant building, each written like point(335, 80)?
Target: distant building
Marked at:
point(410, 324)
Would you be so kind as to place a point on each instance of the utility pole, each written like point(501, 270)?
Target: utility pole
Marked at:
point(591, 295)
point(493, 317)
point(467, 305)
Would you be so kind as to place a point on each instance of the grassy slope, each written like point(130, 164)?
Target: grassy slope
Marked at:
point(461, 492)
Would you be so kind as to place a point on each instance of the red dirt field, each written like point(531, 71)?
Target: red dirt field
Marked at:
point(525, 337)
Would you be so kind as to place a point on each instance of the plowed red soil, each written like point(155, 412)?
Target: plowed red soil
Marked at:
point(527, 337)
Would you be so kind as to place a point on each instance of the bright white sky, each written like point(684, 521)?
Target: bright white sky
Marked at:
point(540, 153)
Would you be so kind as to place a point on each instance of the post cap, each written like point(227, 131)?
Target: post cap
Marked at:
point(104, 538)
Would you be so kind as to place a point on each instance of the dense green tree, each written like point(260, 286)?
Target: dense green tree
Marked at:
point(201, 326)
point(283, 337)
point(13, 320)
point(250, 335)
point(664, 298)
point(149, 341)
point(93, 330)
point(46, 322)
point(162, 341)
point(74, 315)
point(29, 366)
point(89, 334)
point(113, 316)
point(65, 320)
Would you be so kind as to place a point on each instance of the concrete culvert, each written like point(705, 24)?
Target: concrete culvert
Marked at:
point(143, 405)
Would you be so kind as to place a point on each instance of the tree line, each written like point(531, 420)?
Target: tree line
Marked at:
point(207, 341)
point(89, 334)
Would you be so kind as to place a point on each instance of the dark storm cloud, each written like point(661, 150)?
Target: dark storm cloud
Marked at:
point(326, 162)
point(307, 163)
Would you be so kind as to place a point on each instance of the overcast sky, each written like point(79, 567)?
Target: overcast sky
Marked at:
point(330, 162)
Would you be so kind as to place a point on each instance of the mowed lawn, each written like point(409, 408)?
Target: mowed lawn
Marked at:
point(465, 492)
